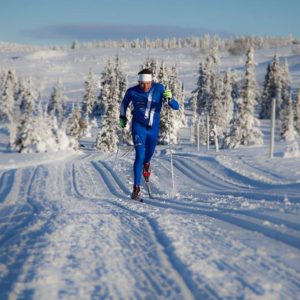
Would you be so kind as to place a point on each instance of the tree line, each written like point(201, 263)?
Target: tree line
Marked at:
point(36, 125)
point(235, 105)
point(235, 45)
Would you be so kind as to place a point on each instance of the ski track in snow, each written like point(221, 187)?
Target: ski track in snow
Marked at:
point(69, 230)
point(222, 217)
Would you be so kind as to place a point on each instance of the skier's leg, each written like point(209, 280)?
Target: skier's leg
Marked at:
point(139, 137)
point(151, 142)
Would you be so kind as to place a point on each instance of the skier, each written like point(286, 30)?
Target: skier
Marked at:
point(147, 98)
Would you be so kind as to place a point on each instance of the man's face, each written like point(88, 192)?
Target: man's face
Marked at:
point(145, 85)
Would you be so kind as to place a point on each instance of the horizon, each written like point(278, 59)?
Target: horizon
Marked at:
point(61, 22)
point(82, 42)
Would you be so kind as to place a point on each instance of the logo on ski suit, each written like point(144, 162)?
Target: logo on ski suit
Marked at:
point(137, 141)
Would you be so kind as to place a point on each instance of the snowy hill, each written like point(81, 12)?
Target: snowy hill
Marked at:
point(69, 230)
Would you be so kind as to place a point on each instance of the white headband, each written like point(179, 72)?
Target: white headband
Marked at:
point(145, 77)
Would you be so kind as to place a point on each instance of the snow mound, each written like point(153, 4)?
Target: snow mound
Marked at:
point(46, 54)
point(291, 150)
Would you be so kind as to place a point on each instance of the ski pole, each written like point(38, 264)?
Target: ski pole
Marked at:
point(171, 155)
point(118, 149)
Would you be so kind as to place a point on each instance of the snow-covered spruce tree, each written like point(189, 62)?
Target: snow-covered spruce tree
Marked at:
point(216, 109)
point(297, 111)
point(56, 104)
point(56, 110)
point(122, 83)
point(217, 112)
point(177, 88)
point(245, 130)
point(9, 111)
point(168, 132)
point(88, 103)
point(7, 101)
point(271, 89)
point(197, 94)
point(22, 93)
point(25, 136)
point(74, 129)
point(121, 77)
point(288, 130)
point(75, 45)
point(171, 120)
point(163, 74)
point(285, 83)
point(208, 92)
point(89, 97)
point(153, 65)
point(227, 99)
point(235, 91)
point(8, 75)
point(62, 137)
point(205, 92)
point(45, 140)
point(265, 101)
point(2, 78)
point(107, 138)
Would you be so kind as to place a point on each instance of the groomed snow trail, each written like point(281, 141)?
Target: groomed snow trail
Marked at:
point(70, 231)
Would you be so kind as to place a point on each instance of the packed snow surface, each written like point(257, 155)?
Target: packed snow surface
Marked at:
point(69, 230)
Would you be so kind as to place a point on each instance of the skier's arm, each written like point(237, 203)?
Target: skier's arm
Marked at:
point(171, 101)
point(124, 104)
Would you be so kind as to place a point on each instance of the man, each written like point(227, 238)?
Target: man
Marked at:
point(147, 98)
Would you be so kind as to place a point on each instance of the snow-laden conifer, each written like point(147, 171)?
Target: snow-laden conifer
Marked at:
point(285, 97)
point(227, 99)
point(89, 97)
point(197, 94)
point(153, 65)
point(107, 138)
point(288, 130)
point(272, 89)
point(45, 140)
point(121, 76)
point(297, 111)
point(217, 111)
point(7, 97)
point(88, 104)
point(208, 78)
point(177, 88)
point(74, 129)
point(265, 100)
point(170, 120)
point(245, 129)
point(25, 136)
point(207, 95)
point(124, 135)
point(235, 91)
point(163, 73)
point(56, 104)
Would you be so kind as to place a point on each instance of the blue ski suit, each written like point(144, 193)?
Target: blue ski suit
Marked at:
point(145, 122)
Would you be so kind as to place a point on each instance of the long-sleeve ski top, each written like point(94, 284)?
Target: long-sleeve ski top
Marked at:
point(146, 106)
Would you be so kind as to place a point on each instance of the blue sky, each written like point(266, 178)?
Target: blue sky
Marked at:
point(61, 21)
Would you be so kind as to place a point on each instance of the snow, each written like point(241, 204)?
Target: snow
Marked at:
point(69, 230)
point(45, 54)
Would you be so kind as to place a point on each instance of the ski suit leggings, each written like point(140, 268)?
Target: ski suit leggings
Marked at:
point(144, 140)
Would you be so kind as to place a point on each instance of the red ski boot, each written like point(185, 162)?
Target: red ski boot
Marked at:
point(136, 194)
point(146, 171)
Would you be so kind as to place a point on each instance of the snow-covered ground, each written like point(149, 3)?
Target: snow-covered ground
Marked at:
point(69, 230)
